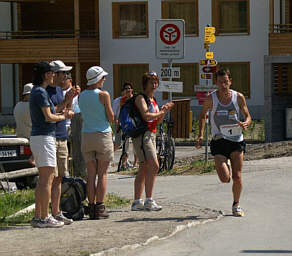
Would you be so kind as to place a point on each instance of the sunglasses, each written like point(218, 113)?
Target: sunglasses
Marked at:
point(153, 74)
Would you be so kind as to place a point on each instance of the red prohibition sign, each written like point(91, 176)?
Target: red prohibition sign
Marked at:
point(169, 34)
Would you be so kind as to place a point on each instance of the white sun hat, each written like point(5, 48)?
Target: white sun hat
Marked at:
point(27, 88)
point(95, 74)
point(59, 65)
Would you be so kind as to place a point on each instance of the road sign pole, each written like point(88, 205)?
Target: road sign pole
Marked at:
point(170, 79)
point(207, 135)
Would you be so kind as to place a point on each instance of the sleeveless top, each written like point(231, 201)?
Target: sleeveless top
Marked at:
point(153, 108)
point(93, 112)
point(224, 119)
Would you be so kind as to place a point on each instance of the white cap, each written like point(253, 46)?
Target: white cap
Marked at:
point(27, 88)
point(59, 65)
point(95, 74)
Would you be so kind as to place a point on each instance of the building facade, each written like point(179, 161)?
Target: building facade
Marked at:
point(120, 36)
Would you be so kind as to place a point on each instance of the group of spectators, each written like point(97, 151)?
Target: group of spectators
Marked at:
point(52, 101)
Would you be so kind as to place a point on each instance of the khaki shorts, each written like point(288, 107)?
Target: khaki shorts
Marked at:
point(97, 146)
point(62, 158)
point(149, 146)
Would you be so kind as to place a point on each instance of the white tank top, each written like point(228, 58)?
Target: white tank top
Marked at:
point(225, 119)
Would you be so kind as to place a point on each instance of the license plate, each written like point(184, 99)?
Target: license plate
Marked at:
point(8, 153)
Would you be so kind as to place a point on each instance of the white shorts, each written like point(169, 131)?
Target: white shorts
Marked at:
point(44, 150)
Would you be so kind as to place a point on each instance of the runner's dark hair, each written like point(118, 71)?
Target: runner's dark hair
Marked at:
point(223, 72)
point(127, 84)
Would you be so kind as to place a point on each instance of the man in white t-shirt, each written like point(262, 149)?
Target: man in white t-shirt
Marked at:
point(22, 113)
point(22, 117)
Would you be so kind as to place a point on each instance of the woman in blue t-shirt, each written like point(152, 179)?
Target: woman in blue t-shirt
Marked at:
point(43, 142)
point(97, 143)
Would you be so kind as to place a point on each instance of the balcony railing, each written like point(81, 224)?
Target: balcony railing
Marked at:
point(281, 28)
point(7, 35)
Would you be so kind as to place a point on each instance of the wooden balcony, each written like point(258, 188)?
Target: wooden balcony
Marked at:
point(31, 47)
point(280, 39)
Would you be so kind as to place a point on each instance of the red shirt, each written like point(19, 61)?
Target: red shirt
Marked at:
point(153, 108)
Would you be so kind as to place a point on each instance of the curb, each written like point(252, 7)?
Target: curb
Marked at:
point(179, 228)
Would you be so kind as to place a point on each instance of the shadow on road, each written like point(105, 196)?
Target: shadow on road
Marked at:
point(267, 251)
point(177, 219)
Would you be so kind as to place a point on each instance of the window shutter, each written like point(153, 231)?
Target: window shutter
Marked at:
point(116, 19)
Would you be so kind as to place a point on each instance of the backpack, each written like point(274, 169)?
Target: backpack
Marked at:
point(131, 121)
point(72, 195)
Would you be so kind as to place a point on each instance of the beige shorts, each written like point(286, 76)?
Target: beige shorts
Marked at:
point(149, 146)
point(62, 158)
point(97, 146)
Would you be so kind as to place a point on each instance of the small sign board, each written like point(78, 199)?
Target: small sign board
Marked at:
point(209, 55)
point(208, 63)
point(170, 86)
point(205, 88)
point(170, 34)
point(167, 72)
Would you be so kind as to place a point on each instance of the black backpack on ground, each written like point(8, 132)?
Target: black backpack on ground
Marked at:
point(72, 195)
point(130, 118)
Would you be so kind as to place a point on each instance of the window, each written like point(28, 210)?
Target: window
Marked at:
point(128, 73)
point(231, 16)
point(240, 73)
point(130, 19)
point(189, 75)
point(282, 79)
point(182, 9)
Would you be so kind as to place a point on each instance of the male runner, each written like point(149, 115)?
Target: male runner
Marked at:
point(227, 143)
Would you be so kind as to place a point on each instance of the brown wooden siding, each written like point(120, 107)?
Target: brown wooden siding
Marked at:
point(34, 50)
point(280, 43)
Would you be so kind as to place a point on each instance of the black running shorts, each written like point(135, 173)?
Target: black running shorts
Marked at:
point(226, 147)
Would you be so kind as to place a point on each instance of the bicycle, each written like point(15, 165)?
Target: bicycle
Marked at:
point(124, 152)
point(165, 146)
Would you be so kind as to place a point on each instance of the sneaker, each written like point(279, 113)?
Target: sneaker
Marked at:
point(151, 205)
point(50, 222)
point(129, 165)
point(62, 218)
point(34, 222)
point(100, 212)
point(237, 211)
point(138, 205)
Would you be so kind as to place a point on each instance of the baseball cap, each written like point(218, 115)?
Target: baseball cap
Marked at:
point(95, 74)
point(27, 88)
point(42, 67)
point(59, 65)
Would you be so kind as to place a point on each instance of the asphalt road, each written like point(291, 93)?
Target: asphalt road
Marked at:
point(265, 230)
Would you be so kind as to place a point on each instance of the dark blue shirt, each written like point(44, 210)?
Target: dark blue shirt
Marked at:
point(56, 96)
point(39, 98)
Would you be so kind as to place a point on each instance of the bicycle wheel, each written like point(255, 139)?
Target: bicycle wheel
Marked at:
point(169, 153)
point(160, 156)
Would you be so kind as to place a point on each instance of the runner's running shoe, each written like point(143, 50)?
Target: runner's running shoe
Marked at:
point(62, 218)
point(138, 205)
point(237, 211)
point(50, 222)
point(151, 205)
point(34, 222)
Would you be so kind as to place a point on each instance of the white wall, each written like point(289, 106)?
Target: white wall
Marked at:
point(250, 48)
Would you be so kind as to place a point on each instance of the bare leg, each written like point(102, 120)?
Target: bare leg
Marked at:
point(236, 162)
point(222, 168)
point(43, 192)
point(140, 181)
point(91, 172)
point(153, 167)
point(56, 195)
point(102, 180)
